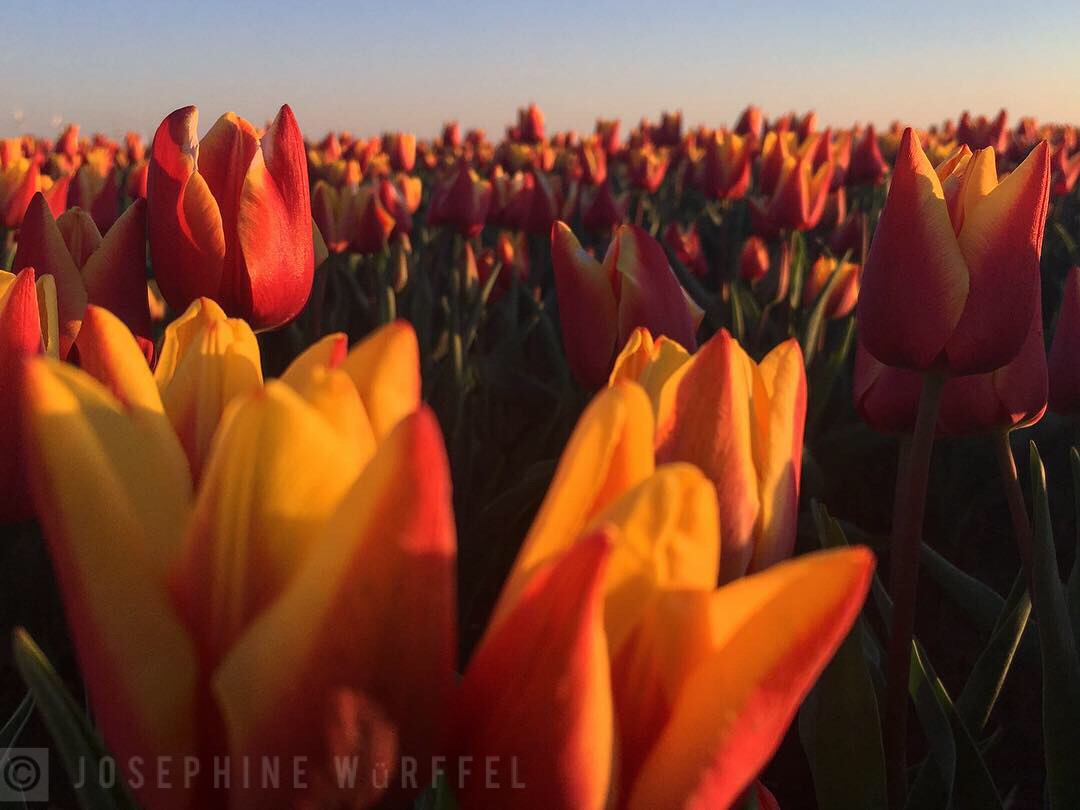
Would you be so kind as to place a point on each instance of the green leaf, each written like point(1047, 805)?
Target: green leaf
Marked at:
point(955, 770)
point(1061, 666)
point(839, 724)
point(13, 726)
point(987, 677)
point(811, 336)
point(76, 742)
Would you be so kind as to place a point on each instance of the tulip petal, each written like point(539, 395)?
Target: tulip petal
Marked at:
point(706, 418)
point(115, 273)
point(669, 538)
point(41, 246)
point(649, 293)
point(187, 240)
point(1001, 241)
point(385, 368)
point(648, 363)
point(536, 696)
point(275, 473)
point(915, 281)
point(609, 453)
point(109, 353)
point(779, 460)
point(206, 360)
point(588, 313)
point(371, 610)
point(738, 662)
point(328, 351)
point(113, 495)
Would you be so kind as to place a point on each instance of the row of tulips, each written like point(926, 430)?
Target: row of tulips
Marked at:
point(255, 527)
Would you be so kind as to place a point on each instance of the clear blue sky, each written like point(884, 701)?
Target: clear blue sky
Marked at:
point(364, 66)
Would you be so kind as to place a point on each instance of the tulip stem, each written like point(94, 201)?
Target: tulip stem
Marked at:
point(1014, 493)
point(910, 506)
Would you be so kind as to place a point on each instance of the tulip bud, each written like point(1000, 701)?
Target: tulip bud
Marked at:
point(753, 260)
point(845, 292)
point(462, 203)
point(953, 269)
point(206, 361)
point(230, 217)
point(867, 166)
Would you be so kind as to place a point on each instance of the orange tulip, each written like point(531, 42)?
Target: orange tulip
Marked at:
point(843, 296)
point(742, 423)
point(753, 260)
point(951, 277)
point(614, 673)
point(793, 193)
point(28, 327)
point(230, 216)
point(601, 304)
point(302, 593)
point(725, 171)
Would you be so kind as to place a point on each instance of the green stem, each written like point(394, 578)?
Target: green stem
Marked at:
point(904, 579)
point(1014, 493)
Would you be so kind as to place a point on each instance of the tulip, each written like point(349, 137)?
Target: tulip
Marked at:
point(951, 277)
point(1009, 398)
point(845, 292)
point(206, 361)
point(41, 246)
point(647, 169)
point(1065, 350)
point(742, 423)
point(531, 124)
point(725, 172)
point(28, 327)
point(402, 150)
point(330, 209)
point(797, 201)
point(230, 217)
point(96, 189)
point(601, 304)
point(612, 648)
point(113, 267)
point(1064, 171)
point(601, 211)
point(299, 598)
point(867, 166)
point(370, 223)
point(462, 203)
point(685, 243)
point(753, 260)
point(751, 124)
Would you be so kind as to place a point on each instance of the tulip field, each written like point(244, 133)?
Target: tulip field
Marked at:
point(657, 466)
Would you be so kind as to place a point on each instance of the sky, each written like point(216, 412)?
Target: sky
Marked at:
point(118, 65)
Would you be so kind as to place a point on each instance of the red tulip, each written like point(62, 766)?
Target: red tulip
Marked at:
point(867, 166)
point(952, 274)
point(461, 203)
point(685, 243)
point(753, 260)
point(230, 217)
point(600, 305)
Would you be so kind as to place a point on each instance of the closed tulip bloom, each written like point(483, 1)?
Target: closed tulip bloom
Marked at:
point(867, 166)
point(1064, 171)
point(648, 167)
point(28, 327)
point(844, 294)
point(951, 277)
point(685, 243)
point(401, 147)
point(207, 359)
point(113, 267)
point(725, 171)
point(610, 638)
point(601, 304)
point(370, 225)
point(1065, 350)
point(531, 124)
point(299, 598)
point(462, 202)
point(330, 208)
point(96, 189)
point(230, 216)
point(41, 246)
point(798, 199)
point(753, 260)
point(742, 423)
point(600, 210)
